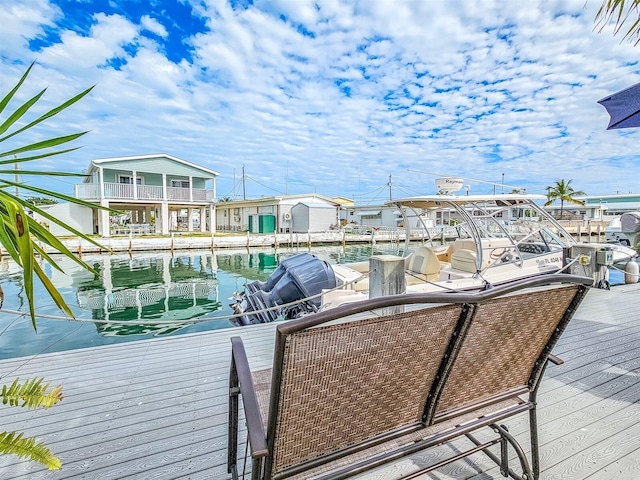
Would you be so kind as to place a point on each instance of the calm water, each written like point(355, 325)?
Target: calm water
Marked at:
point(152, 292)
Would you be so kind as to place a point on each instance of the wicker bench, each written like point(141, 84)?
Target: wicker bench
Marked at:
point(362, 385)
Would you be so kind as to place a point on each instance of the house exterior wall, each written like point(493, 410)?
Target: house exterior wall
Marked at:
point(154, 164)
point(113, 176)
point(155, 195)
point(312, 218)
point(234, 215)
point(76, 216)
point(377, 216)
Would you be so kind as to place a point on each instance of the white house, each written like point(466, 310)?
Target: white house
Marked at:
point(159, 192)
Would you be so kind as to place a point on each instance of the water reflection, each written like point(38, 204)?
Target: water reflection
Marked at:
point(149, 288)
point(155, 288)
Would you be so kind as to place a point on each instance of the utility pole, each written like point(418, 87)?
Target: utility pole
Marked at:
point(244, 185)
point(389, 184)
point(503, 183)
point(234, 184)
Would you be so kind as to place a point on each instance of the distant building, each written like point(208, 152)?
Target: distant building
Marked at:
point(277, 214)
point(159, 193)
point(598, 207)
point(375, 216)
point(76, 216)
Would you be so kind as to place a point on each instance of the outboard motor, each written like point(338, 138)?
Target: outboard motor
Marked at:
point(297, 278)
point(279, 272)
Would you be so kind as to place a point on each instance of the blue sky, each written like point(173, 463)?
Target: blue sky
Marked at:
point(334, 96)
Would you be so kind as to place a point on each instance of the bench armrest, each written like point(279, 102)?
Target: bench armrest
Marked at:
point(255, 430)
point(554, 359)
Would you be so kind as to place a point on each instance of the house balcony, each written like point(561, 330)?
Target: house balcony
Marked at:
point(126, 192)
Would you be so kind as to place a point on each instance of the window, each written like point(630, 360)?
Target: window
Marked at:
point(180, 183)
point(129, 180)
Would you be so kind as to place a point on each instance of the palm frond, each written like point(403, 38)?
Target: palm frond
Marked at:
point(32, 393)
point(7, 98)
point(15, 161)
point(13, 443)
point(619, 13)
point(50, 143)
point(49, 114)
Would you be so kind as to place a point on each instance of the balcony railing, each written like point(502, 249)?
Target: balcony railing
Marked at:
point(125, 191)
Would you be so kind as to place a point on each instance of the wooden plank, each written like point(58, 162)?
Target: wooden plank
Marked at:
point(158, 408)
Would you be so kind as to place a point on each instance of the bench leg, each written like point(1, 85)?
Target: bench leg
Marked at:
point(232, 442)
point(533, 430)
point(505, 436)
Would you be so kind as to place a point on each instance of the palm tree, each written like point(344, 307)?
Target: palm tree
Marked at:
point(620, 12)
point(23, 238)
point(563, 191)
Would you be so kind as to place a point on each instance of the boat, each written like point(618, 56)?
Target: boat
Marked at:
point(613, 232)
point(624, 230)
point(496, 239)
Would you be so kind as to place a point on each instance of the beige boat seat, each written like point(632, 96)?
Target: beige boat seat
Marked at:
point(463, 256)
point(457, 245)
point(423, 265)
point(464, 260)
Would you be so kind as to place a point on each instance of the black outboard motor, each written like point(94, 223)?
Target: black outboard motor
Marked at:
point(297, 278)
point(279, 272)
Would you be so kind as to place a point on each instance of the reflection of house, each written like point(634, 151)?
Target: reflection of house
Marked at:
point(279, 214)
point(149, 287)
point(160, 192)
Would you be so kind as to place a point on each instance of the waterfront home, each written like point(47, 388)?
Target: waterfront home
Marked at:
point(158, 193)
point(597, 207)
point(280, 214)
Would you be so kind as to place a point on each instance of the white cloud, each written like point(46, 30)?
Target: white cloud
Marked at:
point(342, 94)
point(153, 26)
point(106, 40)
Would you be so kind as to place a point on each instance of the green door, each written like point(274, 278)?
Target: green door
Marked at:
point(266, 223)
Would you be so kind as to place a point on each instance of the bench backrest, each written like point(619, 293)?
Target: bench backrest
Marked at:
point(394, 363)
point(508, 339)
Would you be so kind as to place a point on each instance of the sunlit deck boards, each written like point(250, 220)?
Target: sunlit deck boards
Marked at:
point(158, 409)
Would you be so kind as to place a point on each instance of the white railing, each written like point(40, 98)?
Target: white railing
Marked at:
point(202, 195)
point(88, 191)
point(91, 191)
point(149, 192)
point(118, 190)
point(176, 193)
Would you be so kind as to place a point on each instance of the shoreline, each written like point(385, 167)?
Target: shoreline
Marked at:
point(203, 242)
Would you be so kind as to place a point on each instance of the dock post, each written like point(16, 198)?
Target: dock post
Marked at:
point(386, 275)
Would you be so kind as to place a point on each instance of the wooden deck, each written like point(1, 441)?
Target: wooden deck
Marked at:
point(158, 409)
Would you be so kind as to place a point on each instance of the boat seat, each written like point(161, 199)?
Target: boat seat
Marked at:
point(423, 265)
point(464, 260)
point(457, 245)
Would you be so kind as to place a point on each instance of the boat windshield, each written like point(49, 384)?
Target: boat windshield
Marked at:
point(521, 227)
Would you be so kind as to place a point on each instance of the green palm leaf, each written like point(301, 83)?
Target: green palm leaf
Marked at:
point(13, 443)
point(19, 234)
